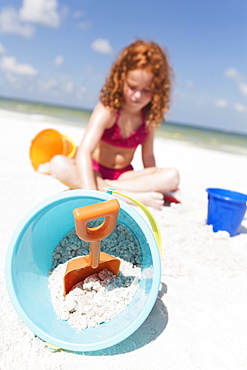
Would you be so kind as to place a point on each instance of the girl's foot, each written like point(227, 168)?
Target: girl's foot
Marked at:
point(148, 198)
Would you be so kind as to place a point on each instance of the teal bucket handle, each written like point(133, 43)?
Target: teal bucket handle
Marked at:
point(150, 216)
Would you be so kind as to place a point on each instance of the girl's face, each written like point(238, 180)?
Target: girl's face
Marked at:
point(137, 91)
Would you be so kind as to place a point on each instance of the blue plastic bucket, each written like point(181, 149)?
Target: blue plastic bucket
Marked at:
point(226, 210)
point(29, 259)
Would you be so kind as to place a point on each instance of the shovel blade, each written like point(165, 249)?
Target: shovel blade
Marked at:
point(80, 268)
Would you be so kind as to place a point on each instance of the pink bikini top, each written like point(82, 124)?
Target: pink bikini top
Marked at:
point(113, 135)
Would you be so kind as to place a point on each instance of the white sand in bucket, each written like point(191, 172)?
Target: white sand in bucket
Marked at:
point(98, 299)
point(101, 296)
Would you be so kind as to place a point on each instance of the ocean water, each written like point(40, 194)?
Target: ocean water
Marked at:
point(205, 138)
point(211, 139)
point(70, 115)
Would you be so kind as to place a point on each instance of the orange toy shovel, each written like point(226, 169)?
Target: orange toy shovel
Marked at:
point(78, 269)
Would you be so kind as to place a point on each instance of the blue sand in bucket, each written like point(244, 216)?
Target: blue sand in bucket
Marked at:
point(226, 210)
point(29, 259)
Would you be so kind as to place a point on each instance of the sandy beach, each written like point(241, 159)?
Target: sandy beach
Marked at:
point(199, 320)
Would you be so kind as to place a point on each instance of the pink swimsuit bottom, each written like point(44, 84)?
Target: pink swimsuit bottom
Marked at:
point(110, 173)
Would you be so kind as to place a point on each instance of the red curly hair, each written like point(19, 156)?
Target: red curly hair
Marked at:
point(140, 55)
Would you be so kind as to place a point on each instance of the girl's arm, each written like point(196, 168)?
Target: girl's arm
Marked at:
point(148, 158)
point(100, 119)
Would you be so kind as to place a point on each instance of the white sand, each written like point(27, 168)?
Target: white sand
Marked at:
point(199, 320)
point(97, 299)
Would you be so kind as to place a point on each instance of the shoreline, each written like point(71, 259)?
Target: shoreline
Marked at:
point(199, 312)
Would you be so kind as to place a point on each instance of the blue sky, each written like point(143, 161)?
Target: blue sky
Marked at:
point(59, 52)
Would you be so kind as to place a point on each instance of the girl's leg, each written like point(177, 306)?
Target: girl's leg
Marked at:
point(148, 185)
point(63, 169)
point(152, 178)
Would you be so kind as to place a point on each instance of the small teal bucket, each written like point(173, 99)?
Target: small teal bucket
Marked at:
point(29, 259)
point(226, 210)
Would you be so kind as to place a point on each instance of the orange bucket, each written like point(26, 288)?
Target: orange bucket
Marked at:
point(47, 144)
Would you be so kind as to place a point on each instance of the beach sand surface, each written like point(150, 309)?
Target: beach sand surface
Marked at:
point(199, 320)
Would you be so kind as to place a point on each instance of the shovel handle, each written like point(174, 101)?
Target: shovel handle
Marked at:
point(95, 253)
point(108, 209)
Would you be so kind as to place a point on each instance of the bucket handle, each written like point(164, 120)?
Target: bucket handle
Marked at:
point(150, 216)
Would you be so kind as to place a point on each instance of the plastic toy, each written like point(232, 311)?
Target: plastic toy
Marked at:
point(47, 144)
point(29, 259)
point(79, 268)
point(226, 210)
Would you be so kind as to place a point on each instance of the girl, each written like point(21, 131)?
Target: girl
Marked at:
point(132, 104)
